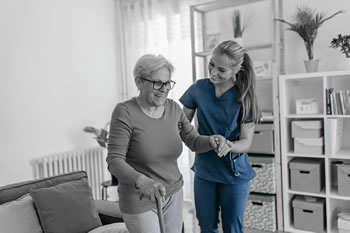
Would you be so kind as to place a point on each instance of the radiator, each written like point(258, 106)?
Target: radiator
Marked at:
point(91, 160)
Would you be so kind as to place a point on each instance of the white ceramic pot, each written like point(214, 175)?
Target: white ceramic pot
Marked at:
point(311, 65)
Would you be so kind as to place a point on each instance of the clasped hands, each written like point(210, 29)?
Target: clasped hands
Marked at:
point(220, 145)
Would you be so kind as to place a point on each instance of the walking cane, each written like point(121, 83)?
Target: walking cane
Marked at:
point(160, 214)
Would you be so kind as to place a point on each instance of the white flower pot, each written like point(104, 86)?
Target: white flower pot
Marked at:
point(311, 65)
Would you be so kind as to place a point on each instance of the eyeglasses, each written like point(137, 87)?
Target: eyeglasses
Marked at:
point(157, 85)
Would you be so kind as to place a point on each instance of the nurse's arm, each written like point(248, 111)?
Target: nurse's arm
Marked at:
point(245, 140)
point(189, 113)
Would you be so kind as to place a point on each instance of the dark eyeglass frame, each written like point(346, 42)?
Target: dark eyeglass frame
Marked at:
point(168, 85)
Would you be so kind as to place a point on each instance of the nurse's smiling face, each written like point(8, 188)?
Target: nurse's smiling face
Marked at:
point(222, 69)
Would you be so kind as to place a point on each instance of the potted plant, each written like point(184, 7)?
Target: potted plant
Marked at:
point(238, 26)
point(101, 136)
point(307, 22)
point(343, 43)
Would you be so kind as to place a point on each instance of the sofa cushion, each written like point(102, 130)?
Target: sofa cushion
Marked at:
point(13, 191)
point(67, 207)
point(111, 228)
point(19, 216)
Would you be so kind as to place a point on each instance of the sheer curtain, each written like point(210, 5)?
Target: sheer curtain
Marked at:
point(157, 27)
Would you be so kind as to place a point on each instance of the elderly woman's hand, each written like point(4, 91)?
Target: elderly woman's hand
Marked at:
point(219, 143)
point(150, 188)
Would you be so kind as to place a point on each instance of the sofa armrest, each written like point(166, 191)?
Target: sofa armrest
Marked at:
point(108, 211)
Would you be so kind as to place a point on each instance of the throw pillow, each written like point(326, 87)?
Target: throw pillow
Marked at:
point(19, 216)
point(118, 227)
point(67, 207)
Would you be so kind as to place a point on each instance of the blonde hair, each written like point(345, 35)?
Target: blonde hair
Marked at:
point(149, 63)
point(245, 78)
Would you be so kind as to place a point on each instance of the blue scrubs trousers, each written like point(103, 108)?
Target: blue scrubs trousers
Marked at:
point(231, 198)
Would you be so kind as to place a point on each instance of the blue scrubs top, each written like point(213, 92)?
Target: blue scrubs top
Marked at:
point(218, 116)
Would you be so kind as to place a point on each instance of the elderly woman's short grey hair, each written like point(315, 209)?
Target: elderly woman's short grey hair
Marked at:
point(149, 63)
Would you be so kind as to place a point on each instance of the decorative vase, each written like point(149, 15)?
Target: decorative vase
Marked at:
point(311, 65)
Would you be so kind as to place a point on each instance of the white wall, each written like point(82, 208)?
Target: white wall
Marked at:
point(330, 59)
point(57, 75)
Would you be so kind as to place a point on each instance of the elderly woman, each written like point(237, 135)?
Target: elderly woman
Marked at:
point(144, 145)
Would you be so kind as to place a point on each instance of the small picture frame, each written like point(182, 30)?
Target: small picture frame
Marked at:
point(263, 69)
point(211, 41)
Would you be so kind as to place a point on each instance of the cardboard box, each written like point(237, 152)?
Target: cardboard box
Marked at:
point(334, 172)
point(308, 213)
point(310, 146)
point(307, 129)
point(307, 106)
point(306, 175)
point(265, 169)
point(263, 142)
point(344, 179)
point(260, 212)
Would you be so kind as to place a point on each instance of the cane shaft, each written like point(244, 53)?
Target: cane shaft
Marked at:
point(160, 215)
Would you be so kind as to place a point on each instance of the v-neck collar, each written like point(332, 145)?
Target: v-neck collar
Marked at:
point(222, 96)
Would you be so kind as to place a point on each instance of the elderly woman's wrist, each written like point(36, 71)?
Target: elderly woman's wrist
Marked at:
point(138, 181)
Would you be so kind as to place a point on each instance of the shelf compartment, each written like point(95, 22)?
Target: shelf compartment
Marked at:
point(300, 89)
point(336, 206)
point(309, 213)
point(337, 137)
point(340, 95)
point(306, 175)
point(290, 141)
point(290, 218)
point(333, 174)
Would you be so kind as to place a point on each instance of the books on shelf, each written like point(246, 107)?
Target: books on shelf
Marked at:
point(337, 102)
point(335, 131)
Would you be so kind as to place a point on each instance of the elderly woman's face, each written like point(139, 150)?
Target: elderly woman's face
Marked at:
point(150, 95)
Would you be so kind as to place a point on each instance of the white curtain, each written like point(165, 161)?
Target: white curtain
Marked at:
point(156, 27)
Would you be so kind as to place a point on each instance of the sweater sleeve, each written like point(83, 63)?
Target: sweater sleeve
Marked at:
point(118, 143)
point(191, 137)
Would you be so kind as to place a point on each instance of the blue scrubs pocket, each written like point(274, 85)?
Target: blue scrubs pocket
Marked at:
point(240, 166)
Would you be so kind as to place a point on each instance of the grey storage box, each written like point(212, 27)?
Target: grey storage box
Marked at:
point(306, 175)
point(263, 142)
point(260, 212)
point(344, 179)
point(307, 129)
point(265, 169)
point(308, 213)
point(313, 146)
point(334, 172)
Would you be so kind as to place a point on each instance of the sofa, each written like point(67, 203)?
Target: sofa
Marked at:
point(58, 204)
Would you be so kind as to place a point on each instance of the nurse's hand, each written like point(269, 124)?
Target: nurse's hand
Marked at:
point(222, 147)
point(150, 188)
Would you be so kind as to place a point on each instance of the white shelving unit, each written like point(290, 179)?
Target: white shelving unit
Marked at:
point(303, 86)
point(262, 38)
